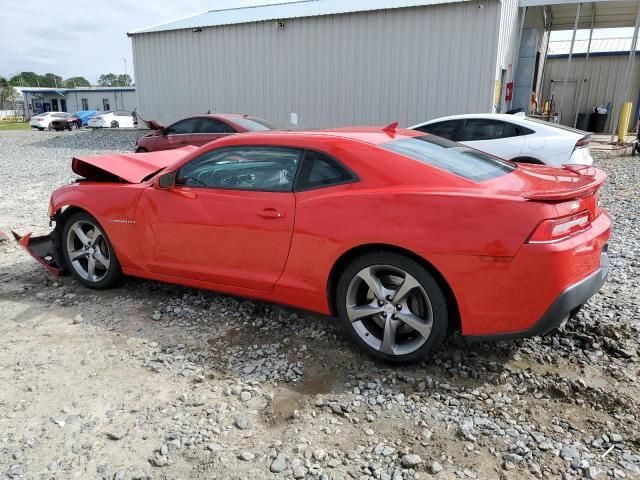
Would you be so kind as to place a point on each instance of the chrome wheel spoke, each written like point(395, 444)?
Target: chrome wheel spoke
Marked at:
point(91, 269)
point(77, 230)
point(389, 343)
point(422, 326)
point(96, 235)
point(101, 259)
point(369, 277)
point(407, 286)
point(76, 254)
point(356, 312)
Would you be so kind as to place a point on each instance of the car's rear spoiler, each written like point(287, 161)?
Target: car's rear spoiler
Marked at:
point(585, 189)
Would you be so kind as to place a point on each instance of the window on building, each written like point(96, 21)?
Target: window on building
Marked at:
point(270, 169)
point(320, 170)
point(85, 104)
point(54, 104)
point(105, 104)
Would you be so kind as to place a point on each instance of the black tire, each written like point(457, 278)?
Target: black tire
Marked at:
point(73, 126)
point(141, 150)
point(115, 124)
point(108, 276)
point(428, 286)
point(41, 129)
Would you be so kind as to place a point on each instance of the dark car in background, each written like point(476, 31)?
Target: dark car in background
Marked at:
point(200, 130)
point(73, 121)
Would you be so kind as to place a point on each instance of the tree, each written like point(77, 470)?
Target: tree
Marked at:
point(25, 79)
point(8, 94)
point(51, 80)
point(74, 82)
point(107, 80)
point(124, 80)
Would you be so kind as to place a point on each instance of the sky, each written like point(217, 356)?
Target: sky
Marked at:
point(88, 38)
point(85, 38)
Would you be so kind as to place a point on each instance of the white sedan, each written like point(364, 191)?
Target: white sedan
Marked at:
point(111, 119)
point(514, 137)
point(42, 120)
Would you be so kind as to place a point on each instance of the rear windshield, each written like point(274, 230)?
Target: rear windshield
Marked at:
point(450, 156)
point(255, 124)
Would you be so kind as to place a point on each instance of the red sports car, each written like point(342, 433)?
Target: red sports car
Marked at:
point(404, 236)
point(201, 130)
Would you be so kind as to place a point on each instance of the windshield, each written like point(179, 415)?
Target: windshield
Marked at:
point(451, 157)
point(255, 124)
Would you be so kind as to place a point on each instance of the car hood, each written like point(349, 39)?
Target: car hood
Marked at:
point(538, 182)
point(128, 167)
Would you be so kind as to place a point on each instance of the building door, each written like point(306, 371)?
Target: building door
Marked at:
point(105, 104)
point(54, 105)
point(566, 111)
point(63, 105)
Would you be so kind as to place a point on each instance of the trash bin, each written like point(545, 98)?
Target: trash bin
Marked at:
point(583, 122)
point(597, 121)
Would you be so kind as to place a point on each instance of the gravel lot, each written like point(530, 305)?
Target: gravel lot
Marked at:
point(158, 381)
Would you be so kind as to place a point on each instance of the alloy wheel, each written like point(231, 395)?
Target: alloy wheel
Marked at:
point(88, 251)
point(389, 309)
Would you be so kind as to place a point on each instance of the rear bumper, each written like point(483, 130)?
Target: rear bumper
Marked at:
point(567, 303)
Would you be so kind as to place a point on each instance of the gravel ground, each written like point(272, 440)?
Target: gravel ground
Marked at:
point(158, 381)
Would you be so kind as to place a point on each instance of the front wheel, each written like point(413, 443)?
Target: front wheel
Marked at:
point(73, 126)
point(115, 124)
point(88, 252)
point(392, 306)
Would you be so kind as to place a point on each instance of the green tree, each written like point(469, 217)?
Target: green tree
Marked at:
point(74, 82)
point(124, 81)
point(25, 79)
point(51, 80)
point(108, 80)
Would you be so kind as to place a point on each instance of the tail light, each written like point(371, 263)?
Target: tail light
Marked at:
point(556, 229)
point(583, 142)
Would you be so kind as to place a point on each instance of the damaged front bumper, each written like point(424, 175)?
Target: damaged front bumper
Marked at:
point(42, 249)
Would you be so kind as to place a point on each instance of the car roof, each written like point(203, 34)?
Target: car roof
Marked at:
point(519, 119)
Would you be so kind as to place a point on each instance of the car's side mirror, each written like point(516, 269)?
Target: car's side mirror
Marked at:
point(166, 180)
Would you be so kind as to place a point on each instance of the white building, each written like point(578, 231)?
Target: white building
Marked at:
point(320, 63)
point(38, 100)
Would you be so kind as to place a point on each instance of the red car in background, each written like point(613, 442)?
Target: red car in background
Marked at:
point(402, 235)
point(200, 130)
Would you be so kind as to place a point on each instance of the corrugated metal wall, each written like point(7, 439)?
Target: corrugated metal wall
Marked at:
point(408, 64)
point(605, 82)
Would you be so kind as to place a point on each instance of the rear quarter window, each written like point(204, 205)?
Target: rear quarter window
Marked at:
point(451, 157)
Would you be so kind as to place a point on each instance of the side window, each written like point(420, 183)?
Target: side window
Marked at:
point(188, 125)
point(270, 169)
point(211, 125)
point(486, 129)
point(319, 170)
point(446, 129)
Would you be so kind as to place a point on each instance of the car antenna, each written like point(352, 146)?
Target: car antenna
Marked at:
point(391, 128)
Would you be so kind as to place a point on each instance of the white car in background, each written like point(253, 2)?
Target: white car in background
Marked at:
point(42, 120)
point(514, 137)
point(111, 119)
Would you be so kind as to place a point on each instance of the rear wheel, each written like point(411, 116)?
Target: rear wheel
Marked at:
point(115, 124)
point(392, 307)
point(50, 128)
point(141, 150)
point(88, 252)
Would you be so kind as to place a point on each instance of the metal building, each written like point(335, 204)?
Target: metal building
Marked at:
point(596, 79)
point(319, 63)
point(41, 99)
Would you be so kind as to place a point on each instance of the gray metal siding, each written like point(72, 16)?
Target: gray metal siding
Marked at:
point(605, 82)
point(409, 65)
point(118, 100)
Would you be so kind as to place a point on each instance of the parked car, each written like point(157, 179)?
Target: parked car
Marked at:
point(42, 120)
point(69, 123)
point(514, 137)
point(111, 119)
point(85, 115)
point(200, 130)
point(402, 235)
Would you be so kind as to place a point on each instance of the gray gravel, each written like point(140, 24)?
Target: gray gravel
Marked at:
point(158, 381)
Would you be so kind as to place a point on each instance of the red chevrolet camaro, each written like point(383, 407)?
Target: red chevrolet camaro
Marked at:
point(404, 236)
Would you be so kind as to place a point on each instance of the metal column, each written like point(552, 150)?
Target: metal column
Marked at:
point(568, 69)
point(627, 77)
point(515, 62)
point(586, 65)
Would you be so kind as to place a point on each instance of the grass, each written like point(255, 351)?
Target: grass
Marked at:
point(14, 126)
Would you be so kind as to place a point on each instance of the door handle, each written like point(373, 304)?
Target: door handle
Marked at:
point(271, 213)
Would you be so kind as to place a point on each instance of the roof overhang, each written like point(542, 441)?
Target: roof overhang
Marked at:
point(39, 93)
point(608, 13)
